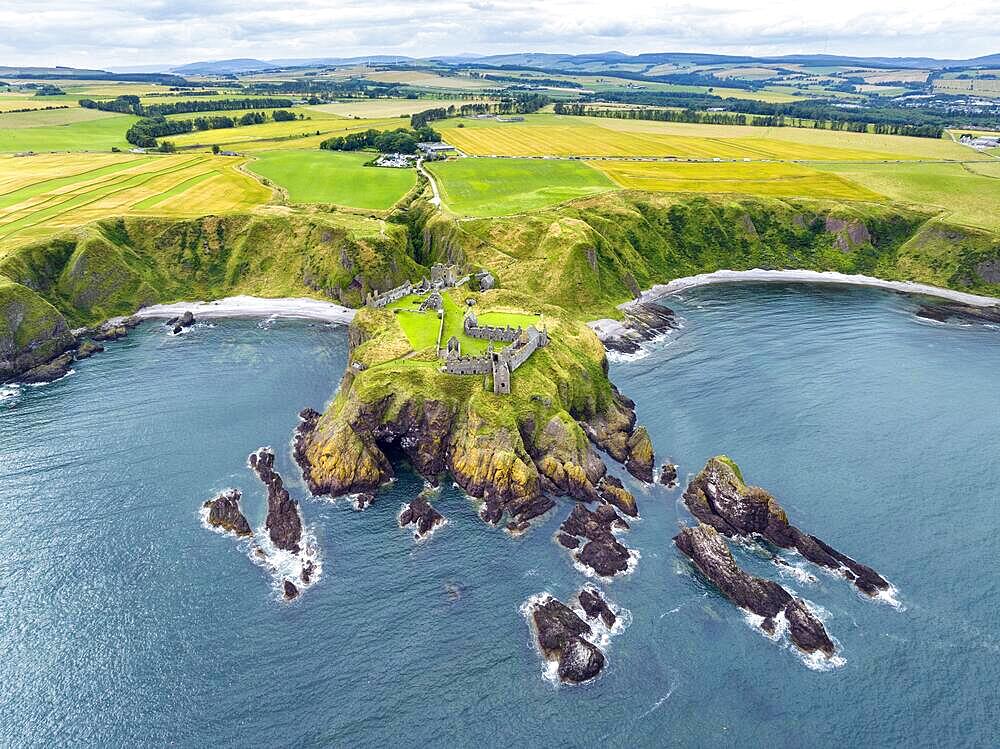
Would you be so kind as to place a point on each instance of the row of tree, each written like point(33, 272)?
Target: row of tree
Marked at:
point(763, 120)
point(145, 132)
point(401, 140)
point(926, 123)
point(133, 105)
point(512, 104)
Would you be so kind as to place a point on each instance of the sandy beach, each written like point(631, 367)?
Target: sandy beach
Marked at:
point(809, 276)
point(251, 306)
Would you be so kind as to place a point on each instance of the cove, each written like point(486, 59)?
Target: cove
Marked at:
point(126, 621)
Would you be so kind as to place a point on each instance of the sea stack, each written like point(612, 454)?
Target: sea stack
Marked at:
point(284, 524)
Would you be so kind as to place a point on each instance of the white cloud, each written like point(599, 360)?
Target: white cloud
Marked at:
point(114, 33)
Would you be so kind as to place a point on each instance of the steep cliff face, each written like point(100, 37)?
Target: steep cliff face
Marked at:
point(32, 331)
point(116, 266)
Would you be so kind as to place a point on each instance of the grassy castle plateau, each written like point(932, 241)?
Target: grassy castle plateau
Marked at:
point(85, 237)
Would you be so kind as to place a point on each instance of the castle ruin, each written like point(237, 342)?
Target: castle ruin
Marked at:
point(500, 363)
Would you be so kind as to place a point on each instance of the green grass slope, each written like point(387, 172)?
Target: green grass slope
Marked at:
point(316, 176)
point(88, 135)
point(498, 187)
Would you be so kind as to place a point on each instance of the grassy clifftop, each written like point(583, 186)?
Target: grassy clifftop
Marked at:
point(595, 253)
point(114, 267)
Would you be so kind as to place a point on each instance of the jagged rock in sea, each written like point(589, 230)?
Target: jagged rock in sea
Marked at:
point(601, 551)
point(284, 524)
point(290, 591)
point(595, 606)
point(492, 509)
point(560, 636)
point(708, 551)
point(421, 515)
point(668, 475)
point(614, 493)
point(224, 512)
point(87, 349)
point(53, 370)
point(177, 324)
point(719, 497)
point(640, 455)
point(642, 321)
point(945, 311)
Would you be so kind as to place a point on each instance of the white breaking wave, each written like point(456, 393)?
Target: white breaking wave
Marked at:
point(9, 392)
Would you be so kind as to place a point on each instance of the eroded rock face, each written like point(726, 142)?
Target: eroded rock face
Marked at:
point(640, 455)
point(614, 493)
point(717, 496)
point(945, 311)
point(560, 635)
point(849, 234)
point(224, 512)
point(642, 321)
point(708, 551)
point(668, 475)
point(421, 516)
point(284, 524)
point(601, 551)
point(87, 349)
point(50, 371)
point(595, 606)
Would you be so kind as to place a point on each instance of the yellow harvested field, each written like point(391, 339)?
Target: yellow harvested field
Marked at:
point(43, 201)
point(369, 108)
point(781, 180)
point(429, 80)
point(586, 139)
point(981, 86)
point(11, 104)
point(272, 135)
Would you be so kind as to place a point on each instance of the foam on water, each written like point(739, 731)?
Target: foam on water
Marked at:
point(283, 564)
point(57, 379)
point(9, 393)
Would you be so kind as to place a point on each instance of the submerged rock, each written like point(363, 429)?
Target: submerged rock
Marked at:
point(717, 496)
point(224, 512)
point(765, 598)
point(421, 515)
point(602, 552)
point(284, 524)
point(559, 633)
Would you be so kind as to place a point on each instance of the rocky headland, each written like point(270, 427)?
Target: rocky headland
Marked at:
point(718, 497)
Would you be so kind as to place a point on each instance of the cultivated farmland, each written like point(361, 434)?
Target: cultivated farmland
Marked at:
point(587, 139)
point(768, 179)
point(37, 199)
point(315, 176)
point(553, 135)
point(270, 135)
point(496, 187)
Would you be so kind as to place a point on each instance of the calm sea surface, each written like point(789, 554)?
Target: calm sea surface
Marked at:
point(123, 621)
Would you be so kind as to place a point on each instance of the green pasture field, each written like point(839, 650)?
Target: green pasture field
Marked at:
point(51, 118)
point(967, 194)
point(315, 176)
point(99, 134)
point(497, 187)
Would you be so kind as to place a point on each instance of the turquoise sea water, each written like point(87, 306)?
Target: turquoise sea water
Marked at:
point(125, 622)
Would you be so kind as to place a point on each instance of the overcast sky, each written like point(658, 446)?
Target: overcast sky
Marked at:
point(126, 33)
